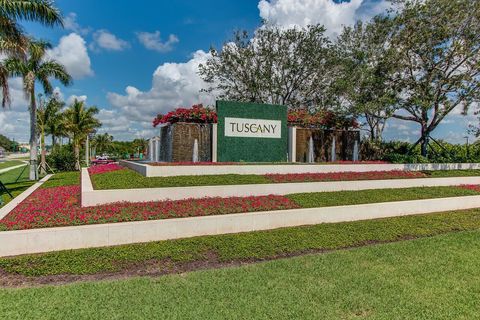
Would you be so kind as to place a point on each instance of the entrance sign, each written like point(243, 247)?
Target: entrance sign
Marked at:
point(251, 132)
point(253, 128)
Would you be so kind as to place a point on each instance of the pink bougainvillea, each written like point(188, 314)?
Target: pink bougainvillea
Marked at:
point(102, 168)
point(344, 176)
point(196, 114)
point(298, 117)
point(60, 206)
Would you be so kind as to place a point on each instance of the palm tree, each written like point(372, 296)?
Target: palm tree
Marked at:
point(13, 42)
point(48, 120)
point(80, 121)
point(102, 142)
point(35, 67)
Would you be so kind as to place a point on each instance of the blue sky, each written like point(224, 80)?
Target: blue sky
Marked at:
point(136, 60)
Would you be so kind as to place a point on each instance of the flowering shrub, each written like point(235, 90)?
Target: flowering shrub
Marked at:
point(299, 117)
point(60, 206)
point(195, 114)
point(345, 176)
point(327, 119)
point(102, 168)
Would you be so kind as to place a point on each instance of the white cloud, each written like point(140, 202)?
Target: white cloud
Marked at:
point(72, 53)
point(173, 85)
point(103, 39)
point(70, 23)
point(72, 98)
point(292, 13)
point(153, 41)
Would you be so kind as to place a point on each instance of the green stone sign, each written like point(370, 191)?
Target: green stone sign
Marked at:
point(251, 132)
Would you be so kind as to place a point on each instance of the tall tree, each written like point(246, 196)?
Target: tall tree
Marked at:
point(102, 142)
point(48, 118)
point(437, 43)
point(80, 121)
point(13, 42)
point(36, 67)
point(367, 65)
point(277, 66)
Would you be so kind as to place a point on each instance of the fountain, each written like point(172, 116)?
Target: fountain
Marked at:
point(355, 151)
point(333, 157)
point(311, 154)
point(195, 151)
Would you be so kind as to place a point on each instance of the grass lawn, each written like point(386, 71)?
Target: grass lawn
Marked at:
point(341, 198)
point(432, 278)
point(129, 179)
point(63, 179)
point(173, 254)
point(10, 163)
point(16, 181)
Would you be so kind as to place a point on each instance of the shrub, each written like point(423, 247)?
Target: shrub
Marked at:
point(62, 158)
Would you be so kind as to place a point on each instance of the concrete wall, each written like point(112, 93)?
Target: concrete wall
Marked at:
point(92, 197)
point(64, 238)
point(168, 171)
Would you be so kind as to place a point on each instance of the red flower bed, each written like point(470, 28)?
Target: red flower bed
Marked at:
point(190, 163)
point(102, 168)
point(474, 187)
point(344, 176)
point(208, 163)
point(60, 206)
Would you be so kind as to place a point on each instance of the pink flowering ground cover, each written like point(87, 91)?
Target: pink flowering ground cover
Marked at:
point(344, 176)
point(473, 187)
point(209, 163)
point(102, 168)
point(60, 206)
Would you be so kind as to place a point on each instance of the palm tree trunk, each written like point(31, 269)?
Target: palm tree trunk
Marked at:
point(77, 156)
point(33, 136)
point(43, 153)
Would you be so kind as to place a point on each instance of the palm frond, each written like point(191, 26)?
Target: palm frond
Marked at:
point(42, 11)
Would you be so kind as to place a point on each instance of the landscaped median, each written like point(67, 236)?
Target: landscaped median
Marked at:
point(55, 219)
point(180, 255)
point(113, 183)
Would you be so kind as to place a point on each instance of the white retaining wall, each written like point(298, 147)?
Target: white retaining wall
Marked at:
point(91, 197)
point(63, 238)
point(179, 170)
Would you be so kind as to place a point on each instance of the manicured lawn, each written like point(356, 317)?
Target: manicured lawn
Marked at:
point(63, 179)
point(432, 278)
point(16, 181)
point(125, 179)
point(339, 198)
point(250, 246)
point(129, 179)
point(10, 163)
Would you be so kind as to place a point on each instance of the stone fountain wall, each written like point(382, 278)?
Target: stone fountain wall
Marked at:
point(322, 144)
point(177, 141)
